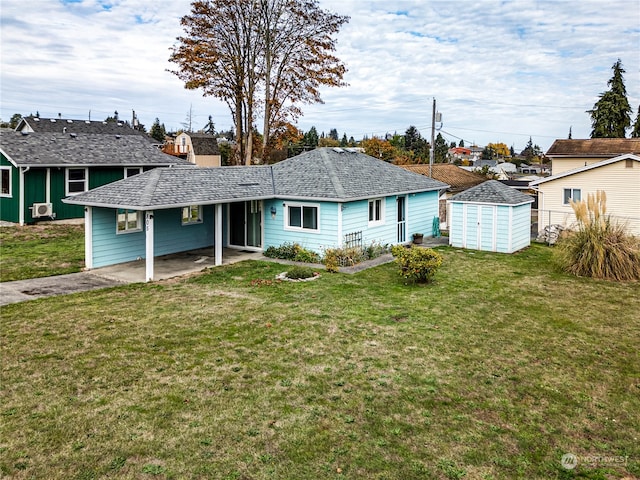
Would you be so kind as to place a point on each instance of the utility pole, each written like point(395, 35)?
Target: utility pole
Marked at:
point(432, 150)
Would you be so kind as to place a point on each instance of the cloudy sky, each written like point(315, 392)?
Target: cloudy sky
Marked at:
point(500, 71)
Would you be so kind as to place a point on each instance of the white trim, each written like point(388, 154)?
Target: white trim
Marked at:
point(149, 241)
point(126, 175)
point(573, 171)
point(510, 235)
point(10, 170)
point(340, 206)
point(383, 204)
point(88, 238)
point(190, 221)
point(127, 230)
point(494, 240)
point(217, 234)
point(66, 180)
point(22, 171)
point(301, 228)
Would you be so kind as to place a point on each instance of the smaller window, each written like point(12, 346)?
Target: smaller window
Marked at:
point(628, 163)
point(301, 217)
point(5, 184)
point(128, 221)
point(76, 180)
point(131, 171)
point(191, 214)
point(376, 211)
point(574, 194)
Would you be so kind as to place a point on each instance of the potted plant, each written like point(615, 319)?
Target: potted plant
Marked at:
point(417, 238)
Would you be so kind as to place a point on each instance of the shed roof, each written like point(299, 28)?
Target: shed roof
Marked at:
point(494, 192)
point(594, 147)
point(322, 174)
point(83, 149)
point(458, 178)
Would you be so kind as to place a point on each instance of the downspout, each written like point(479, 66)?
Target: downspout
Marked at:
point(22, 171)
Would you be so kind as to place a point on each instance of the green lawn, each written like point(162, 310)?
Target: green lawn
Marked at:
point(40, 251)
point(494, 371)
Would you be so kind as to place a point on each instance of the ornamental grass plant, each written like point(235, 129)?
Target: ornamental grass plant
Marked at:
point(599, 247)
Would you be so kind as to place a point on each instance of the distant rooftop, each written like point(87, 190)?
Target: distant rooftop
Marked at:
point(67, 125)
point(594, 147)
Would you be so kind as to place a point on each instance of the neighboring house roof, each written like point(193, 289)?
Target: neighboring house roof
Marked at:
point(586, 168)
point(70, 149)
point(66, 125)
point(204, 144)
point(494, 192)
point(458, 178)
point(323, 175)
point(594, 147)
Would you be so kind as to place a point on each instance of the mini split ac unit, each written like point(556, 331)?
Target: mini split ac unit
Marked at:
point(42, 210)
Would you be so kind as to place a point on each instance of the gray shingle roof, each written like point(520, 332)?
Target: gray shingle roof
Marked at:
point(322, 174)
point(337, 174)
point(64, 125)
point(181, 186)
point(58, 149)
point(492, 191)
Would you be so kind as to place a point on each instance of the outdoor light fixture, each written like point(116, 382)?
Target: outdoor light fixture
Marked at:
point(273, 211)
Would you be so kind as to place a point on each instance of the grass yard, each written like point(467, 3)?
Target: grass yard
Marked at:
point(40, 251)
point(495, 371)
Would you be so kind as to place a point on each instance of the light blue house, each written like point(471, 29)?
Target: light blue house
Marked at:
point(492, 217)
point(324, 198)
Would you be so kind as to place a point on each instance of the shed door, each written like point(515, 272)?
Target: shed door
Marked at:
point(487, 228)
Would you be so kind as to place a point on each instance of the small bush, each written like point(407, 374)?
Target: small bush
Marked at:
point(417, 263)
point(297, 272)
point(600, 247)
point(292, 251)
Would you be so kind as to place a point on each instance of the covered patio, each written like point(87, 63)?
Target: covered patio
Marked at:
point(173, 265)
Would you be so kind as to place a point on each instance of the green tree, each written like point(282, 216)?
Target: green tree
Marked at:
point(611, 114)
point(333, 134)
point(344, 142)
point(461, 144)
point(635, 133)
point(441, 150)
point(15, 120)
point(416, 145)
point(310, 138)
point(157, 132)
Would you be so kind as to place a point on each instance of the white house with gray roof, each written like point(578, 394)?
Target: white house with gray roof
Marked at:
point(320, 199)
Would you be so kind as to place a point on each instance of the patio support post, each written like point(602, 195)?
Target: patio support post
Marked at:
point(88, 238)
point(217, 234)
point(148, 222)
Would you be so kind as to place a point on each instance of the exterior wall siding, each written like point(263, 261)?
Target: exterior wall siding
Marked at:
point(456, 231)
point(619, 182)
point(559, 165)
point(171, 236)
point(326, 236)
point(9, 206)
point(520, 227)
point(110, 248)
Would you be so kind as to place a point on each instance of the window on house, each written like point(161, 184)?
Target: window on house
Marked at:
point(376, 211)
point(571, 194)
point(76, 180)
point(131, 171)
point(628, 163)
point(191, 214)
point(128, 221)
point(302, 217)
point(5, 181)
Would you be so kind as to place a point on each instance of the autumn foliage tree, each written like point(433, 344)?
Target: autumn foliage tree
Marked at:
point(261, 57)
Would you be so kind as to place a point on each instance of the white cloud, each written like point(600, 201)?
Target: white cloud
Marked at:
point(500, 70)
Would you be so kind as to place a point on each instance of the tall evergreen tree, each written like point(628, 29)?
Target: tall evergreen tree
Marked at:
point(311, 138)
point(611, 115)
point(157, 131)
point(635, 133)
